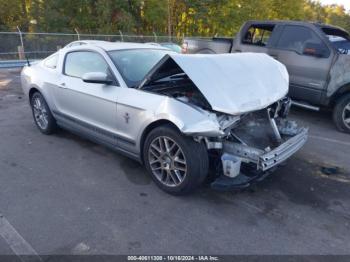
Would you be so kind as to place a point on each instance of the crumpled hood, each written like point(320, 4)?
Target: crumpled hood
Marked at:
point(235, 83)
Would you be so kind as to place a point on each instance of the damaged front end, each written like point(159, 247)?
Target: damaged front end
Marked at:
point(243, 121)
point(255, 145)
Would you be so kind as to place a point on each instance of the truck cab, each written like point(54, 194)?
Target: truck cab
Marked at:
point(301, 47)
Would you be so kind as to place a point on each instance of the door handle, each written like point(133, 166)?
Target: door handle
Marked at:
point(62, 85)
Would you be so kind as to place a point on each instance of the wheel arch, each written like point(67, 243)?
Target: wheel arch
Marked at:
point(343, 90)
point(151, 127)
point(32, 90)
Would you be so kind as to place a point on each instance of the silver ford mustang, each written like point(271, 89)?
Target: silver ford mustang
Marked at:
point(185, 117)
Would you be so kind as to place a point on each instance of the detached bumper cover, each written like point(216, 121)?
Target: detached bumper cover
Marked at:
point(283, 152)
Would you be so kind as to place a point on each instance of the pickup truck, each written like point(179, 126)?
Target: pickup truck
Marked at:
point(316, 55)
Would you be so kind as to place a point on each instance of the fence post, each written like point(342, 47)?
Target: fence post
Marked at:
point(121, 35)
point(20, 48)
point(155, 37)
point(76, 30)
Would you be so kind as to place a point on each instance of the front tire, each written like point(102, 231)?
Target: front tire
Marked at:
point(341, 114)
point(176, 163)
point(42, 114)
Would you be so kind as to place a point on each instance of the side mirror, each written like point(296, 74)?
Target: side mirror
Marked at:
point(314, 49)
point(97, 78)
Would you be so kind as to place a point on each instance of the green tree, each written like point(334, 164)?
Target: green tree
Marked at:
point(186, 17)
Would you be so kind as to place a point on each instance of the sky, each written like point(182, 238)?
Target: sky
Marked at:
point(346, 3)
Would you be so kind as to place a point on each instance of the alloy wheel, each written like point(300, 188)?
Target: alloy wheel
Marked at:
point(167, 161)
point(346, 115)
point(40, 113)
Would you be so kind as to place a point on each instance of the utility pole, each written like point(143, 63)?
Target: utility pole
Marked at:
point(169, 21)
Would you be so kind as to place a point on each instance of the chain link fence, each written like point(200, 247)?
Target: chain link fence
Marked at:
point(16, 46)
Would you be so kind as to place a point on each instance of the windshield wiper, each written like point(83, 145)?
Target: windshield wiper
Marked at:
point(172, 77)
point(179, 76)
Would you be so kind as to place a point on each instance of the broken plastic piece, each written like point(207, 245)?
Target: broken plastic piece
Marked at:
point(231, 165)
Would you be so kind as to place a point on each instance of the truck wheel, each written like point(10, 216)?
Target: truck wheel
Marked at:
point(341, 114)
point(176, 163)
point(42, 114)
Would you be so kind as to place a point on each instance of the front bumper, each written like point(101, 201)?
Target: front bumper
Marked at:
point(265, 160)
point(282, 152)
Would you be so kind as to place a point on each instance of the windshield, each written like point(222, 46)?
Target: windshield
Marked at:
point(134, 64)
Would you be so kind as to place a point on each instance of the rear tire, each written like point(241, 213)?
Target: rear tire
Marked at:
point(341, 114)
point(176, 163)
point(42, 115)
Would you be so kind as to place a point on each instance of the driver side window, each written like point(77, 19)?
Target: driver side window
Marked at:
point(78, 63)
point(297, 38)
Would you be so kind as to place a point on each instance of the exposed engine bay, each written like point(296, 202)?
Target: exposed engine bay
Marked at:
point(180, 87)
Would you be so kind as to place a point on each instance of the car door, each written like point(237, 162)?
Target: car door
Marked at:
point(86, 107)
point(308, 73)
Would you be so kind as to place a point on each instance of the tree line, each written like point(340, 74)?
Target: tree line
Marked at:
point(177, 17)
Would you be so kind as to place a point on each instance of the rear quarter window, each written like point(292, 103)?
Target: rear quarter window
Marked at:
point(51, 62)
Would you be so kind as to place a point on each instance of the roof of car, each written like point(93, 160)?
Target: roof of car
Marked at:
point(108, 46)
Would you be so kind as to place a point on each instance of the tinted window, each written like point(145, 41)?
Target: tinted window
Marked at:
point(81, 62)
point(296, 38)
point(51, 62)
point(134, 64)
point(258, 35)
